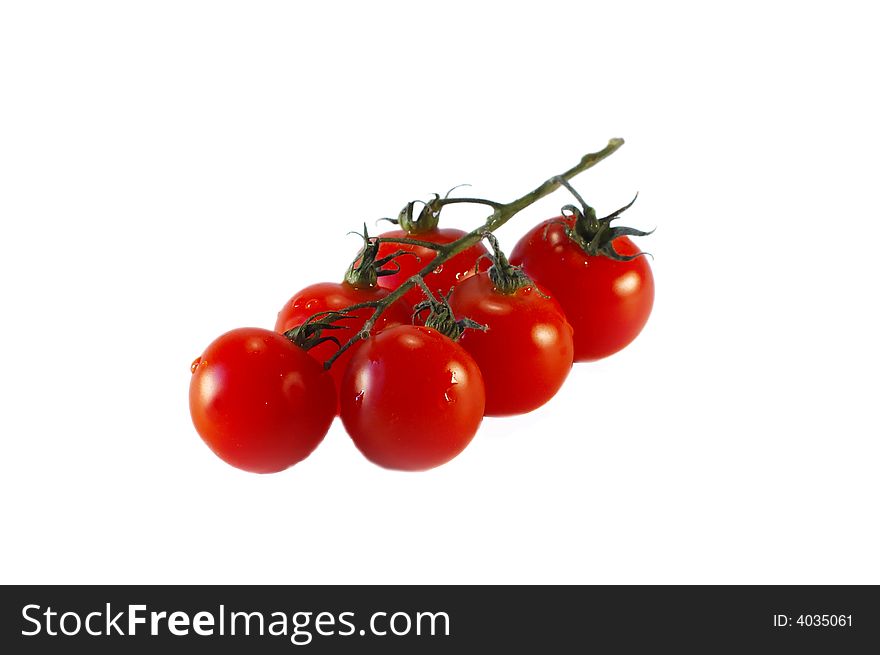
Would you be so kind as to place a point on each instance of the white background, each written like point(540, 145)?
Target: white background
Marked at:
point(171, 170)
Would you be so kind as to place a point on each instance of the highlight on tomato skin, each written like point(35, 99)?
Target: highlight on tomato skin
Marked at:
point(607, 302)
point(260, 402)
point(527, 351)
point(412, 399)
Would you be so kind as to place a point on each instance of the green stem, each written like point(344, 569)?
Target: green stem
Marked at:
point(501, 214)
point(413, 242)
point(442, 202)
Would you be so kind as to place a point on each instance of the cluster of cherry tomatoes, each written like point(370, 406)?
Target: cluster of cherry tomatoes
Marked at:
point(499, 338)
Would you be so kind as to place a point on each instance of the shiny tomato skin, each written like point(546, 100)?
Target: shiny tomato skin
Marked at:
point(411, 398)
point(259, 401)
point(607, 302)
point(527, 351)
point(444, 277)
point(327, 296)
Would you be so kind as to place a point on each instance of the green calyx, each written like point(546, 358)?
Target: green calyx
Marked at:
point(365, 270)
point(440, 316)
point(427, 219)
point(595, 236)
point(311, 332)
point(506, 278)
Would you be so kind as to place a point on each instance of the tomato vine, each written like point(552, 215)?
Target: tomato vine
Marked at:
point(501, 214)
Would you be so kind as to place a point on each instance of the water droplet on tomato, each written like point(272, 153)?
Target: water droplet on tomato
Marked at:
point(359, 399)
point(195, 364)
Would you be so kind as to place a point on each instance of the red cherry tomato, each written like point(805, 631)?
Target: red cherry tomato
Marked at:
point(328, 296)
point(411, 398)
point(607, 302)
point(441, 279)
point(526, 353)
point(259, 401)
